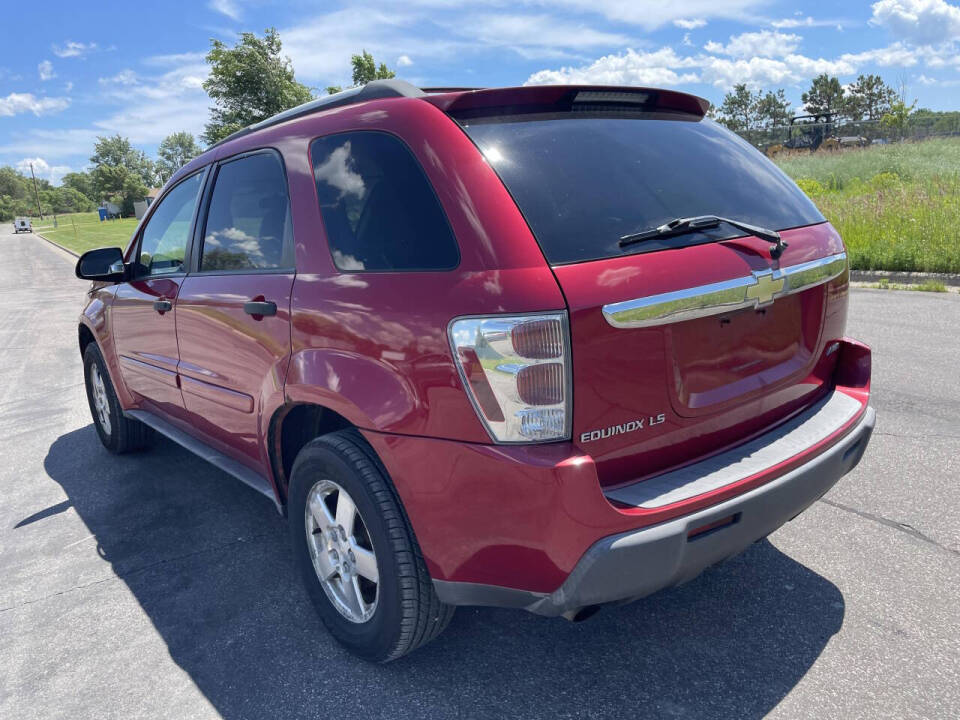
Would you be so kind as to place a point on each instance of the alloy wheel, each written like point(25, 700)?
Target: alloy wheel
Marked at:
point(342, 551)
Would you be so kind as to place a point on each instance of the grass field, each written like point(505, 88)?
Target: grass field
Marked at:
point(896, 206)
point(84, 231)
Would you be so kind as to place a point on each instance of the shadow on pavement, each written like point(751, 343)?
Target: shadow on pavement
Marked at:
point(207, 560)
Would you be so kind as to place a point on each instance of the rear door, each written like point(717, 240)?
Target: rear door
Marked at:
point(233, 310)
point(143, 310)
point(686, 345)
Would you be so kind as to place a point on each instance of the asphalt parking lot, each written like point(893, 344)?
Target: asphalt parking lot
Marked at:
point(154, 585)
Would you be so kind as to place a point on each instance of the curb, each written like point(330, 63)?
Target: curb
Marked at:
point(904, 278)
point(57, 245)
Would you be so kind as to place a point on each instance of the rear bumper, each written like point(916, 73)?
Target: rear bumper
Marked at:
point(629, 565)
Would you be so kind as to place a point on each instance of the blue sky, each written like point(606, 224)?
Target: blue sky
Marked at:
point(76, 73)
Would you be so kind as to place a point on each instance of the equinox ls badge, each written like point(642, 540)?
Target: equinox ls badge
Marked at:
point(629, 427)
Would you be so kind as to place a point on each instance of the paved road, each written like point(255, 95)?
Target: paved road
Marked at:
point(156, 586)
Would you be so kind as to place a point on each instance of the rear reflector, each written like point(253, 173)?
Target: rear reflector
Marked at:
point(714, 526)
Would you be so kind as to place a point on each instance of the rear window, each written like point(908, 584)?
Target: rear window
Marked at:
point(582, 182)
point(379, 210)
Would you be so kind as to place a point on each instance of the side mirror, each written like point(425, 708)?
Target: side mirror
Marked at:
point(103, 265)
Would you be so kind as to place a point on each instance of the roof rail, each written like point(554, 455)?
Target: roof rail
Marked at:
point(374, 90)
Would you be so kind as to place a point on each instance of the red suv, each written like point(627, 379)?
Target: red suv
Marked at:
point(546, 348)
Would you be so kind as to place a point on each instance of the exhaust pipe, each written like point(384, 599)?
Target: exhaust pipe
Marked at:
point(581, 614)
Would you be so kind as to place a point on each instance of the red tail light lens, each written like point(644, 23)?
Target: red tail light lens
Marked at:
point(538, 339)
point(541, 384)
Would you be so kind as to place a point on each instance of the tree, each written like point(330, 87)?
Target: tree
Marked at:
point(737, 111)
point(869, 97)
point(248, 83)
point(81, 182)
point(772, 109)
point(897, 118)
point(365, 69)
point(175, 151)
point(824, 96)
point(121, 173)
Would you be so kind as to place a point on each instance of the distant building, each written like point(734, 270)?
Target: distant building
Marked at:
point(140, 207)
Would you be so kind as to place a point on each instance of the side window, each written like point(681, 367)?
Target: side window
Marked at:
point(163, 244)
point(378, 208)
point(248, 223)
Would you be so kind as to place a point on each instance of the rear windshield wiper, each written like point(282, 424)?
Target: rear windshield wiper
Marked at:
point(682, 226)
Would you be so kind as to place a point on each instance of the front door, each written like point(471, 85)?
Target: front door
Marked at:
point(233, 310)
point(144, 326)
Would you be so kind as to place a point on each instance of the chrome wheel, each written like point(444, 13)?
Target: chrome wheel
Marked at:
point(341, 550)
point(100, 400)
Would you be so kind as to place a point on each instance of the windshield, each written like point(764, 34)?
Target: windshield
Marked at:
point(583, 182)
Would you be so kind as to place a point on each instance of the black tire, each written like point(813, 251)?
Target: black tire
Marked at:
point(408, 612)
point(124, 434)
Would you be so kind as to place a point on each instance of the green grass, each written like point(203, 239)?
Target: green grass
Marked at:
point(928, 286)
point(84, 231)
point(896, 206)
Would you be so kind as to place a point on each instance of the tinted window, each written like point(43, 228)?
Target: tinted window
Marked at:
point(248, 222)
point(582, 182)
point(164, 242)
point(379, 210)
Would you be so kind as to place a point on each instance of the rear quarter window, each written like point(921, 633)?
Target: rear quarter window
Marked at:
point(379, 210)
point(584, 181)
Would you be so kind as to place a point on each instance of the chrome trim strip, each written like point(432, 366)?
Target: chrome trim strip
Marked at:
point(756, 290)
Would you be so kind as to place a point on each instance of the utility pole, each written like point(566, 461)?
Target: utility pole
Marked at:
point(36, 192)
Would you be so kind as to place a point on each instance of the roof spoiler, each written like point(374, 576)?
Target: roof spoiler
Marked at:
point(540, 98)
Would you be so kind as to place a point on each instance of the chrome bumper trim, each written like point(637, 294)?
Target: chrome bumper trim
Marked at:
point(758, 289)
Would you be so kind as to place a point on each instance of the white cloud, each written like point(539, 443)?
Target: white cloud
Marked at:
point(652, 14)
point(629, 68)
point(691, 24)
point(757, 44)
point(536, 35)
point(124, 77)
point(45, 70)
point(922, 22)
point(17, 103)
point(42, 169)
point(67, 86)
point(225, 7)
point(404, 61)
point(796, 22)
point(73, 49)
point(896, 55)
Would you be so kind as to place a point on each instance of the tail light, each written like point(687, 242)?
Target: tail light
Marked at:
point(516, 370)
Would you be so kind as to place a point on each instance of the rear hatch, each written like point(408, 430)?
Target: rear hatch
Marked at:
point(681, 346)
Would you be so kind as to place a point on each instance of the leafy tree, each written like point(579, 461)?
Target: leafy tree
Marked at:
point(824, 96)
point(175, 151)
point(869, 97)
point(897, 118)
point(365, 69)
point(16, 194)
point(121, 173)
point(81, 182)
point(65, 200)
point(737, 111)
point(772, 109)
point(249, 82)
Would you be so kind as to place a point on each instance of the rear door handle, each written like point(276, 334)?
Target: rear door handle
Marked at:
point(260, 308)
point(162, 306)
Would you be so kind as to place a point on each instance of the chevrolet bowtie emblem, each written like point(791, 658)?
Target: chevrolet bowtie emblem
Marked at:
point(767, 287)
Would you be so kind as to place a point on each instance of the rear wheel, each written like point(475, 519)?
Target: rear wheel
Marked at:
point(357, 553)
point(118, 433)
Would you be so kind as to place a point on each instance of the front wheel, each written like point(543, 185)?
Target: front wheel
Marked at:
point(357, 553)
point(118, 433)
